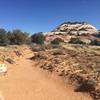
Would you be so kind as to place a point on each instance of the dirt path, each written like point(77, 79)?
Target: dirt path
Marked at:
point(25, 82)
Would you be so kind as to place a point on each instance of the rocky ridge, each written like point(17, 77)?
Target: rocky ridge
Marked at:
point(76, 28)
point(67, 30)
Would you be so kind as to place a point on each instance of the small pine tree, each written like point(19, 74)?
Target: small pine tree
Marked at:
point(3, 38)
point(38, 38)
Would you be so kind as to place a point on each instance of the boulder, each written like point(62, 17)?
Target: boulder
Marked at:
point(3, 68)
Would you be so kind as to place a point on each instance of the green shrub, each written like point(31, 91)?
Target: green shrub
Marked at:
point(57, 41)
point(3, 38)
point(58, 52)
point(18, 37)
point(38, 38)
point(37, 48)
point(95, 42)
point(86, 86)
point(76, 41)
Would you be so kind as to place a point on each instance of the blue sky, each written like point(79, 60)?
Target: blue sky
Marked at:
point(44, 15)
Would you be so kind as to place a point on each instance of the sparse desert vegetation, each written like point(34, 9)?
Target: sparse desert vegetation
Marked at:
point(74, 57)
point(27, 82)
point(78, 64)
point(49, 49)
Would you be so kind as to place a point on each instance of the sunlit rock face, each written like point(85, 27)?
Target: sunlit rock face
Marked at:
point(70, 29)
point(76, 28)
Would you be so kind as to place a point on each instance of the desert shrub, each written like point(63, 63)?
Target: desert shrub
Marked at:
point(39, 56)
point(3, 38)
point(76, 41)
point(36, 47)
point(57, 41)
point(18, 37)
point(95, 42)
point(38, 38)
point(86, 86)
point(58, 52)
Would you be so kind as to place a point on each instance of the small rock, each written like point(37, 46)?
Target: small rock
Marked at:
point(9, 60)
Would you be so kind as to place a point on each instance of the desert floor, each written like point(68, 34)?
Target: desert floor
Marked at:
point(24, 81)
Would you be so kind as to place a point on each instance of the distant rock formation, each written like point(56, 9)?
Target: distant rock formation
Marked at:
point(68, 29)
point(76, 28)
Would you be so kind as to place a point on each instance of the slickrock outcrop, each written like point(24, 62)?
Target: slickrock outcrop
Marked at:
point(76, 28)
point(70, 29)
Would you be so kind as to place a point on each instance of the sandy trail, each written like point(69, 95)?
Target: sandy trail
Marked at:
point(26, 82)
